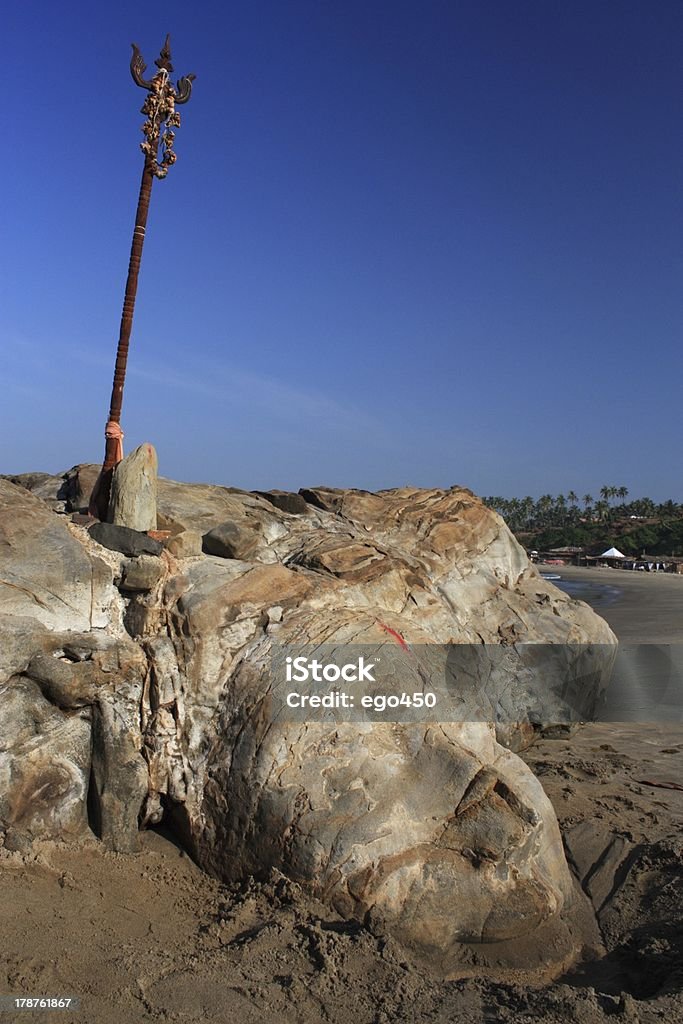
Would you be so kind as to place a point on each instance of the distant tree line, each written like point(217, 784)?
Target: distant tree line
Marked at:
point(566, 519)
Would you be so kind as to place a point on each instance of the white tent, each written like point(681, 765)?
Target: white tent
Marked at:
point(612, 553)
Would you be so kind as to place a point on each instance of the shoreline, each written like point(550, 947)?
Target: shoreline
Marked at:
point(646, 607)
point(645, 611)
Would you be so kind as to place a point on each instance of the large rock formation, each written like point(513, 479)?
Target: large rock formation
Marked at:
point(70, 682)
point(433, 829)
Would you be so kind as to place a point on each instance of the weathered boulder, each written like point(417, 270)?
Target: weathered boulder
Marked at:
point(80, 481)
point(232, 540)
point(432, 830)
point(47, 576)
point(102, 678)
point(52, 488)
point(286, 501)
point(133, 497)
point(202, 507)
point(71, 489)
point(44, 766)
point(32, 481)
point(436, 829)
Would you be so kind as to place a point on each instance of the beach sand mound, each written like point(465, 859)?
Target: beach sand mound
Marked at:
point(149, 937)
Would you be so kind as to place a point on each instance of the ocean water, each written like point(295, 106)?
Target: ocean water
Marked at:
point(597, 595)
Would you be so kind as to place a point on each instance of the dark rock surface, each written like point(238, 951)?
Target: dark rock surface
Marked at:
point(286, 501)
point(121, 538)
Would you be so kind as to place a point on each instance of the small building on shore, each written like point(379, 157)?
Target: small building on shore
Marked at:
point(643, 563)
point(568, 555)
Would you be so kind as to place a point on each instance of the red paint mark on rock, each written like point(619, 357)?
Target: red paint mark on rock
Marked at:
point(396, 635)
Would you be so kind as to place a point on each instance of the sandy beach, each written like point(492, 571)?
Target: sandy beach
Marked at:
point(641, 607)
point(149, 937)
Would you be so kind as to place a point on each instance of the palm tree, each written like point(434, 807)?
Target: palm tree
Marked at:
point(622, 492)
point(588, 500)
point(668, 508)
point(573, 499)
point(606, 493)
point(545, 504)
point(602, 509)
point(513, 517)
point(646, 507)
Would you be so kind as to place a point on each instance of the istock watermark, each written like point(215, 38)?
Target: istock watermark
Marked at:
point(303, 670)
point(539, 683)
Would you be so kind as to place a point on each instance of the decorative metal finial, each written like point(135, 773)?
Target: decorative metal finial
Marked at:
point(163, 61)
point(159, 107)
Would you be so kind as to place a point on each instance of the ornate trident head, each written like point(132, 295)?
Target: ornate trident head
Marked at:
point(159, 106)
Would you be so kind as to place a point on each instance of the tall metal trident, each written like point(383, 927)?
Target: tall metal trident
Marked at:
point(162, 118)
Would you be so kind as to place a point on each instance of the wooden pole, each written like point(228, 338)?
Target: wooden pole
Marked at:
point(138, 242)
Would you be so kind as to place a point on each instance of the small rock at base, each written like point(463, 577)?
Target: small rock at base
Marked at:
point(187, 544)
point(141, 573)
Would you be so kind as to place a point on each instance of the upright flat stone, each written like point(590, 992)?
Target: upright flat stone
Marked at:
point(133, 501)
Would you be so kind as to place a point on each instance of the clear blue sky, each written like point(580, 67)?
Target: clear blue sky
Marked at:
point(426, 243)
